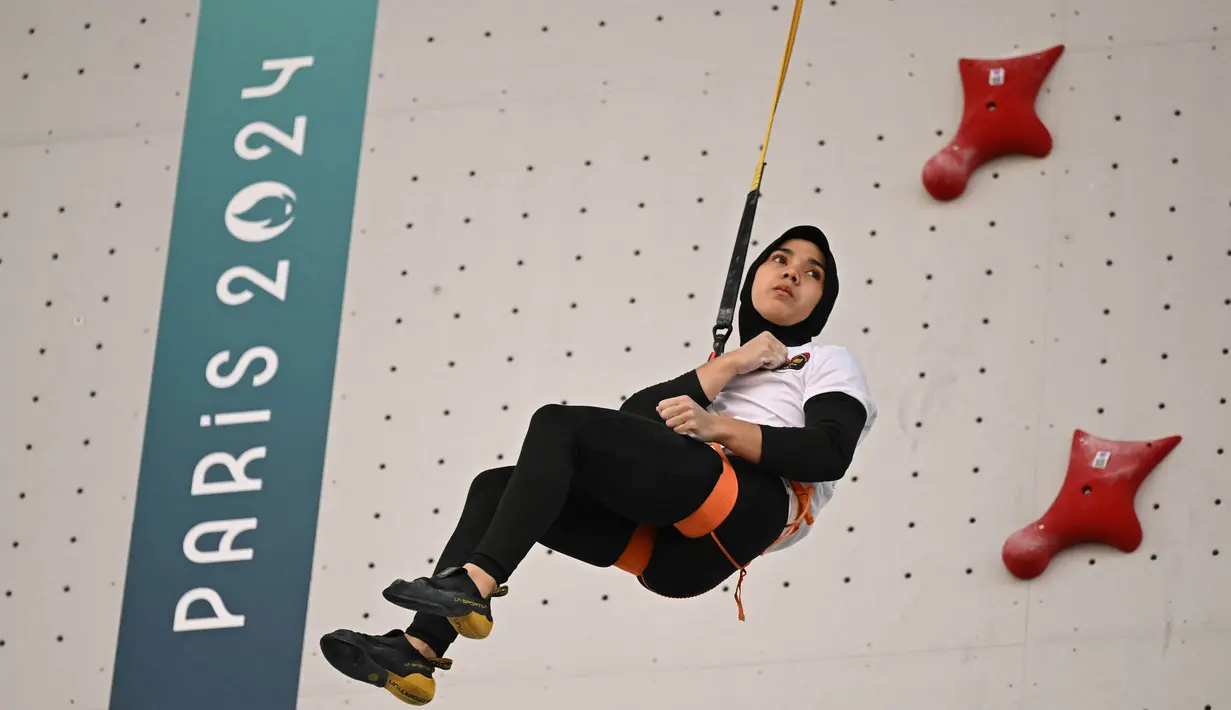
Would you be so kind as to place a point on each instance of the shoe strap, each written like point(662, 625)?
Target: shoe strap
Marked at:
point(500, 591)
point(443, 664)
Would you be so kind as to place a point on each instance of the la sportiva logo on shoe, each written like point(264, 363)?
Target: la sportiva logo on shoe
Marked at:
point(795, 363)
point(469, 602)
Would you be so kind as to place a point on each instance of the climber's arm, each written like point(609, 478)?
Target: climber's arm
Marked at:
point(702, 385)
point(820, 450)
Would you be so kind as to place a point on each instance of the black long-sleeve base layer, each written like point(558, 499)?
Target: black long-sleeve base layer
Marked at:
point(820, 450)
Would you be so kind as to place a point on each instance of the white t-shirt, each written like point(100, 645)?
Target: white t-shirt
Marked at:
point(777, 397)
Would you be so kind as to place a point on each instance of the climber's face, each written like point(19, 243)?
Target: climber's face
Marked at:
point(790, 283)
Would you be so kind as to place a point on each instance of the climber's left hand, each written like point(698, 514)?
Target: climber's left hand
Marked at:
point(685, 416)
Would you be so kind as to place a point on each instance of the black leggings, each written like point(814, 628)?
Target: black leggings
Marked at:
point(585, 478)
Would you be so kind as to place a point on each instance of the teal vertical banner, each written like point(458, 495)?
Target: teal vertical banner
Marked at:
point(220, 559)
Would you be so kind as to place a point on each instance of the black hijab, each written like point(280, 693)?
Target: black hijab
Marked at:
point(752, 324)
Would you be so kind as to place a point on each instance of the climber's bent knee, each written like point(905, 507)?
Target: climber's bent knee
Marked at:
point(493, 480)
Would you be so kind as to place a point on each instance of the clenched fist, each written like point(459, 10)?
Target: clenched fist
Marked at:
point(762, 352)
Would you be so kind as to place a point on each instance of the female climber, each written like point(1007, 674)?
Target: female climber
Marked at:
point(688, 482)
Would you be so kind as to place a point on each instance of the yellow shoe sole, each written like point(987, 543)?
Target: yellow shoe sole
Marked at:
point(472, 626)
point(414, 690)
point(348, 658)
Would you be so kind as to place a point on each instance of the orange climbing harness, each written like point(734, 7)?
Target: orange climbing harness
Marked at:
point(705, 520)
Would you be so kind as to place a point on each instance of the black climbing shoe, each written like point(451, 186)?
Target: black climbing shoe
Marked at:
point(387, 661)
point(451, 594)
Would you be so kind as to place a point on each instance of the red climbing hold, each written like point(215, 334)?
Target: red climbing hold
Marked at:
point(998, 119)
point(1095, 504)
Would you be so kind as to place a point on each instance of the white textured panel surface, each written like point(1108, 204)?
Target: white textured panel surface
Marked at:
point(985, 679)
point(81, 289)
point(1171, 667)
point(89, 70)
point(546, 215)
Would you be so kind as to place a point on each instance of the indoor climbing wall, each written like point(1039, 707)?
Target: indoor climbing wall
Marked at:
point(545, 209)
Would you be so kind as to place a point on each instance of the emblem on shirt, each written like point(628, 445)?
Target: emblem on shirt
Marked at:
point(795, 363)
